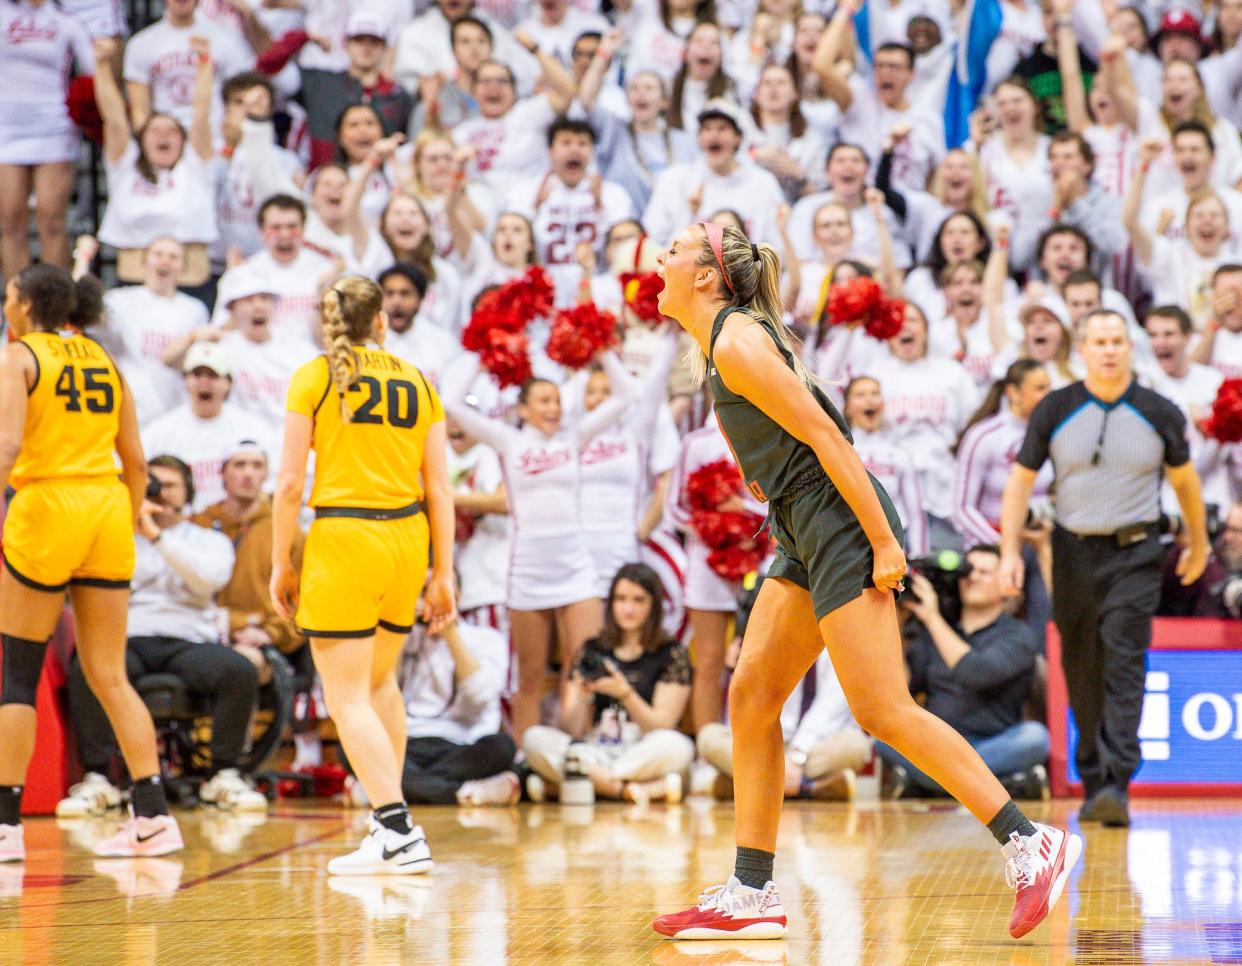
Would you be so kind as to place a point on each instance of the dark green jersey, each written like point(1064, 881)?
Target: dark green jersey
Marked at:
point(770, 459)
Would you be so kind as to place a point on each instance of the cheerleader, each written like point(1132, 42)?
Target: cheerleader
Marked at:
point(618, 465)
point(482, 509)
point(711, 600)
point(552, 585)
point(886, 461)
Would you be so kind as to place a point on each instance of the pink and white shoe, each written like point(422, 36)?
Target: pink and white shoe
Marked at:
point(730, 911)
point(141, 838)
point(12, 844)
point(1038, 867)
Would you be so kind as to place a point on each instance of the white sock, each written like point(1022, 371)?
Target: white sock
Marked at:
point(308, 750)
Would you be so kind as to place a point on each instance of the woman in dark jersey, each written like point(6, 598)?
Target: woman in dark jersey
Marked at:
point(838, 563)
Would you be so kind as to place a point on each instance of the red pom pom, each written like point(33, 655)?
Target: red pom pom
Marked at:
point(579, 333)
point(852, 302)
point(507, 358)
point(83, 111)
point(531, 295)
point(741, 556)
point(713, 483)
point(642, 292)
point(1225, 421)
point(887, 319)
point(464, 522)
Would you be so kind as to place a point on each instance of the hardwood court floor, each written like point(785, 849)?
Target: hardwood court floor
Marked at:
point(873, 884)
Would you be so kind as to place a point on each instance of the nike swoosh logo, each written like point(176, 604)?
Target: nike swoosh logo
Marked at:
point(405, 848)
point(148, 838)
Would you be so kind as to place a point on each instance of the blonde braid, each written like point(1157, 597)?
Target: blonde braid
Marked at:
point(338, 348)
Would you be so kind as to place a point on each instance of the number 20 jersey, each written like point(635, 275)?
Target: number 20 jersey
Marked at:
point(72, 411)
point(373, 461)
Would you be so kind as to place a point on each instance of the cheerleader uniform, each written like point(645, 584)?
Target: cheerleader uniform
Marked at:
point(617, 465)
point(705, 589)
point(549, 564)
point(38, 45)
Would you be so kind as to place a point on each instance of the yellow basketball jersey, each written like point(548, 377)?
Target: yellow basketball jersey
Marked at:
point(375, 460)
point(73, 412)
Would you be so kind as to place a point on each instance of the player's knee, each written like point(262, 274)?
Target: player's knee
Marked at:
point(23, 663)
point(752, 696)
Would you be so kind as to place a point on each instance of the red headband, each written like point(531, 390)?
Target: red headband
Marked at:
point(715, 237)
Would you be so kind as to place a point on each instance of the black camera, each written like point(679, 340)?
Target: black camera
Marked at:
point(943, 569)
point(155, 489)
point(1174, 525)
point(591, 665)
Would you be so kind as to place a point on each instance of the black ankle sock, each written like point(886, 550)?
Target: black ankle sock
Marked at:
point(395, 816)
point(1009, 820)
point(147, 797)
point(10, 804)
point(753, 867)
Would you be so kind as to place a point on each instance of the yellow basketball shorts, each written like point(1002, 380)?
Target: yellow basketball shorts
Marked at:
point(62, 532)
point(358, 575)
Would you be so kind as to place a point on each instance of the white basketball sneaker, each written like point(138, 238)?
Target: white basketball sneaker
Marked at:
point(385, 852)
point(93, 795)
point(730, 911)
point(228, 791)
point(12, 844)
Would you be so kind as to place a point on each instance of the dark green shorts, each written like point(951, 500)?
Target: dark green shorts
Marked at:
point(822, 548)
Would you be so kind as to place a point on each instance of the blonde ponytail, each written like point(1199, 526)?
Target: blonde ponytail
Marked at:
point(346, 313)
point(754, 273)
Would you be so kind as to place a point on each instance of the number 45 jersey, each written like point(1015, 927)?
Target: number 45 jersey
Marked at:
point(73, 411)
point(374, 459)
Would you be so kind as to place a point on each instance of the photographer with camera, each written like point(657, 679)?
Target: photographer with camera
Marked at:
point(976, 671)
point(172, 629)
point(1111, 442)
point(627, 693)
point(1225, 586)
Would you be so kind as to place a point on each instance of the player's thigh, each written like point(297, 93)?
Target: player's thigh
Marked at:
point(864, 642)
point(345, 571)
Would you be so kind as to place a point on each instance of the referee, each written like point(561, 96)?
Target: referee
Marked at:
point(1110, 440)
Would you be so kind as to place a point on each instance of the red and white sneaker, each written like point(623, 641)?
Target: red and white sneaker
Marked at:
point(730, 911)
point(141, 838)
point(1039, 866)
point(12, 844)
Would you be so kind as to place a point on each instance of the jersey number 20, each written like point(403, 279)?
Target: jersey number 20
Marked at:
point(98, 393)
point(402, 402)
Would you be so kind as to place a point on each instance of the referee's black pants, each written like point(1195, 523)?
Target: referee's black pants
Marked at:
point(1103, 599)
point(207, 668)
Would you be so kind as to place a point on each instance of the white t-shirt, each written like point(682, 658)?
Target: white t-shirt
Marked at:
point(567, 217)
point(261, 375)
point(866, 236)
point(483, 559)
point(749, 190)
point(1179, 276)
point(296, 287)
point(1176, 201)
point(375, 257)
point(1021, 191)
point(1227, 354)
point(238, 202)
point(137, 328)
point(180, 203)
point(160, 57)
point(427, 346)
point(507, 148)
point(978, 355)
point(204, 444)
point(891, 466)
point(868, 121)
point(558, 39)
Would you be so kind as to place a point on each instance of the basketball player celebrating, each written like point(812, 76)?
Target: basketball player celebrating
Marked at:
point(64, 412)
point(838, 562)
point(382, 501)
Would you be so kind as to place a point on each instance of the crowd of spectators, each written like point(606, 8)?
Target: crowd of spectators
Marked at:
point(252, 153)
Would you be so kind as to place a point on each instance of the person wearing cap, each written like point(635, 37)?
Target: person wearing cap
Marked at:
point(722, 177)
point(142, 321)
point(202, 431)
point(1180, 37)
point(245, 517)
point(326, 93)
point(179, 567)
point(426, 345)
point(1045, 338)
point(1105, 435)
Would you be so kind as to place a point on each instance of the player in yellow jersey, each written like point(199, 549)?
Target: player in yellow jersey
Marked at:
point(382, 505)
point(65, 414)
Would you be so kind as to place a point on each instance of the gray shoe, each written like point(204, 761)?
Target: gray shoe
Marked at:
point(1110, 806)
